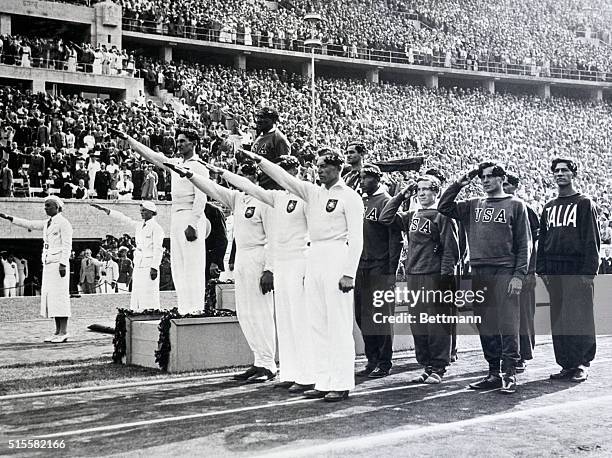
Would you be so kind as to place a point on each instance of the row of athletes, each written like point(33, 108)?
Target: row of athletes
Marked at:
point(314, 311)
point(313, 244)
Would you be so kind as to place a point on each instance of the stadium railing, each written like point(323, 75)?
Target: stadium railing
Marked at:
point(376, 55)
point(54, 64)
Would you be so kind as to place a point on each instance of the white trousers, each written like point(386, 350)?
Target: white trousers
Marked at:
point(295, 352)
point(188, 262)
point(145, 292)
point(255, 310)
point(21, 284)
point(10, 287)
point(331, 318)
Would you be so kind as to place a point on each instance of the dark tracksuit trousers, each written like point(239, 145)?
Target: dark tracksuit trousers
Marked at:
point(527, 328)
point(377, 337)
point(500, 317)
point(432, 341)
point(571, 315)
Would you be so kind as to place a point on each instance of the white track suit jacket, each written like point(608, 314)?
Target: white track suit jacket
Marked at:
point(148, 254)
point(57, 245)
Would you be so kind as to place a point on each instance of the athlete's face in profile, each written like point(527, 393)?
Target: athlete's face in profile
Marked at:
point(51, 208)
point(508, 188)
point(327, 172)
point(369, 183)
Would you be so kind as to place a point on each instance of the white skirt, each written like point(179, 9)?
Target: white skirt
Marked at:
point(55, 298)
point(145, 292)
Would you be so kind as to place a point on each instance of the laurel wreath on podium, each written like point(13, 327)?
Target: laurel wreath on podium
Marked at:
point(162, 354)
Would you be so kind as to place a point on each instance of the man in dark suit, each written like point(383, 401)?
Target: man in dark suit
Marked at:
point(102, 182)
point(89, 273)
point(216, 242)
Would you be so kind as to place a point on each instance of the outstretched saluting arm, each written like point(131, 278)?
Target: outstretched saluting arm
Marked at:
point(147, 153)
point(245, 185)
point(205, 184)
point(282, 177)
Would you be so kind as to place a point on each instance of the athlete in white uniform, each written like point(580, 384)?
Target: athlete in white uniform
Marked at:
point(290, 242)
point(57, 244)
point(188, 223)
point(147, 255)
point(11, 276)
point(252, 270)
point(335, 224)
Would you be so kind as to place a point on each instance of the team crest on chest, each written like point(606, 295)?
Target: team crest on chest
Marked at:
point(291, 205)
point(249, 212)
point(331, 205)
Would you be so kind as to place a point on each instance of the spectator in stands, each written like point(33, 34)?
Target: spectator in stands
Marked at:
point(6, 179)
point(102, 182)
point(81, 191)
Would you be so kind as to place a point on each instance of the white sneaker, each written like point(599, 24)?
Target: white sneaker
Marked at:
point(50, 338)
point(61, 338)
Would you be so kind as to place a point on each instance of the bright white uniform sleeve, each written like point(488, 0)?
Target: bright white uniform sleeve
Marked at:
point(199, 202)
point(158, 249)
point(118, 216)
point(66, 235)
point(250, 188)
point(38, 224)
point(354, 221)
point(300, 188)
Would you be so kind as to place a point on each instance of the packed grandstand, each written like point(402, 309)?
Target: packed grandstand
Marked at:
point(60, 143)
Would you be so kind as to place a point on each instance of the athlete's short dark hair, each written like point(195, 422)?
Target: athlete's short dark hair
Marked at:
point(569, 162)
point(498, 170)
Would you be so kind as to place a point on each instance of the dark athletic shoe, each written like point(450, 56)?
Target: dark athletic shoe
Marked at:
point(364, 372)
point(508, 384)
point(520, 366)
point(378, 373)
point(315, 394)
point(580, 375)
point(250, 372)
point(336, 396)
point(490, 382)
point(564, 374)
point(299, 388)
point(263, 375)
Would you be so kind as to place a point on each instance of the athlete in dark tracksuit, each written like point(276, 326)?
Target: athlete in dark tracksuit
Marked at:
point(433, 252)
point(379, 259)
point(499, 239)
point(527, 298)
point(568, 258)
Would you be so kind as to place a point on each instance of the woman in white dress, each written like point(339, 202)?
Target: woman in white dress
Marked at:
point(26, 52)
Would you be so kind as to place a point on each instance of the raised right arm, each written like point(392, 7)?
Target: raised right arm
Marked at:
point(247, 186)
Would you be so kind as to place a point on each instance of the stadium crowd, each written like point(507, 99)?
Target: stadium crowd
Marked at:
point(59, 55)
point(531, 38)
point(63, 142)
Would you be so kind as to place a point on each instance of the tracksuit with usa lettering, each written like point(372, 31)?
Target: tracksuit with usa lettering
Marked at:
point(433, 252)
point(382, 246)
point(499, 238)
